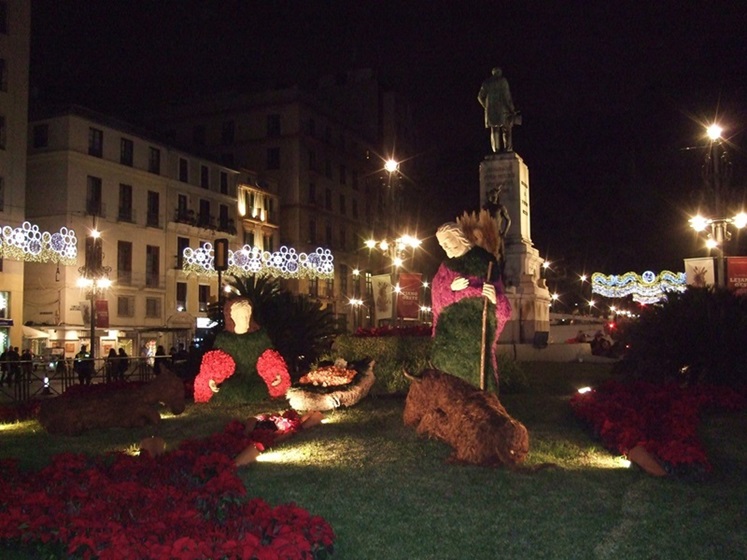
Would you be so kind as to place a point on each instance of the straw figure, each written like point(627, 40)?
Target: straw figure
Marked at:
point(127, 408)
point(471, 421)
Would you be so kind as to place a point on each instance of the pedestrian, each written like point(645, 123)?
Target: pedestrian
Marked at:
point(83, 366)
point(159, 360)
point(27, 364)
point(112, 365)
point(124, 364)
point(14, 367)
point(4, 367)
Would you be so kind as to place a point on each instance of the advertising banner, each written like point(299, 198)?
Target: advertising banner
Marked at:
point(700, 272)
point(736, 274)
point(382, 295)
point(102, 314)
point(408, 300)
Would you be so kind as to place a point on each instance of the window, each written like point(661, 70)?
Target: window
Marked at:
point(124, 262)
point(41, 136)
point(312, 231)
point(312, 160)
point(3, 75)
point(152, 268)
point(203, 297)
point(273, 158)
point(343, 205)
point(183, 170)
point(93, 196)
point(198, 135)
point(312, 193)
point(181, 296)
point(126, 306)
point(249, 238)
point(181, 244)
point(125, 203)
point(182, 208)
point(343, 280)
point(125, 151)
point(314, 287)
point(203, 219)
point(3, 133)
point(267, 243)
point(273, 125)
point(330, 288)
point(223, 218)
point(328, 235)
point(343, 238)
point(355, 208)
point(154, 203)
point(228, 132)
point(223, 182)
point(153, 307)
point(95, 142)
point(154, 160)
point(2, 193)
point(328, 199)
point(343, 175)
point(204, 176)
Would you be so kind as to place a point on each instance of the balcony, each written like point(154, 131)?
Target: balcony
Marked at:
point(152, 220)
point(227, 226)
point(184, 216)
point(206, 221)
point(126, 215)
point(94, 207)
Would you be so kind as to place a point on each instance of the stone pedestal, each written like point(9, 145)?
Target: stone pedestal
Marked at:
point(527, 292)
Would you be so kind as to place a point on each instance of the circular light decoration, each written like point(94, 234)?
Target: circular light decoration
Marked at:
point(252, 261)
point(29, 243)
point(645, 288)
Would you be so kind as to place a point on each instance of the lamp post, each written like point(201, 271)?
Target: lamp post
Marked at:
point(95, 278)
point(716, 172)
point(395, 250)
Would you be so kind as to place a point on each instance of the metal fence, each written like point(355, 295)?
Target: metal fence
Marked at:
point(25, 380)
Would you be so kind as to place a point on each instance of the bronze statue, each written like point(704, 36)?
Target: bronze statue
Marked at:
point(500, 114)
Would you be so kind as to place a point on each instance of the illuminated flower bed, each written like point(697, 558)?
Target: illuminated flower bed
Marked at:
point(186, 504)
point(416, 330)
point(332, 385)
point(663, 419)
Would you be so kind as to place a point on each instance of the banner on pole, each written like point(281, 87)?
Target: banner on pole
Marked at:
point(102, 314)
point(382, 295)
point(700, 272)
point(736, 274)
point(408, 300)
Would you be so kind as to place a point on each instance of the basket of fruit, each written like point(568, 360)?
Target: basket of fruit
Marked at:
point(331, 385)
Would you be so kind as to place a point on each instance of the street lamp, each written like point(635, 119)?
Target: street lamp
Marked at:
point(95, 278)
point(396, 251)
point(716, 172)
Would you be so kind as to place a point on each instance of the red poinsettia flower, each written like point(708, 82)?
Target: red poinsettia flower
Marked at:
point(216, 367)
point(272, 368)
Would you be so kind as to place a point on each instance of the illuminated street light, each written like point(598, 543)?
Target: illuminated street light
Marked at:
point(714, 132)
point(391, 166)
point(95, 278)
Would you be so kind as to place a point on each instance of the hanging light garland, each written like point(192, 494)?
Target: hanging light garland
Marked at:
point(28, 243)
point(252, 261)
point(645, 288)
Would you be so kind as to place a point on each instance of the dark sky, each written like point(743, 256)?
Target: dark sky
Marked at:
point(613, 93)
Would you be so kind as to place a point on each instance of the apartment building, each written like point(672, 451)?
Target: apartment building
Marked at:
point(14, 88)
point(89, 173)
point(325, 147)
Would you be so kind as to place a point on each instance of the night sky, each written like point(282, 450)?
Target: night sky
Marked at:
point(614, 95)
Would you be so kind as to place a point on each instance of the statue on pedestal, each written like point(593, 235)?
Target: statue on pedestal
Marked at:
point(500, 114)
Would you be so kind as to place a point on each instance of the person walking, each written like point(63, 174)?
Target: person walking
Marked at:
point(112, 365)
point(123, 365)
point(83, 366)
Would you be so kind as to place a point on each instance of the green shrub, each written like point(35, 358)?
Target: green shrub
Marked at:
point(393, 356)
point(695, 337)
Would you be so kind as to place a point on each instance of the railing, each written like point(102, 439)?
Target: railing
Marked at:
point(23, 381)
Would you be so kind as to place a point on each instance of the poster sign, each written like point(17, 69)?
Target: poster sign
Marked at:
point(382, 296)
point(102, 314)
point(408, 300)
point(700, 272)
point(736, 274)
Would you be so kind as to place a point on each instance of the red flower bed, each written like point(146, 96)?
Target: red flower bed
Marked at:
point(216, 366)
point(661, 418)
point(186, 504)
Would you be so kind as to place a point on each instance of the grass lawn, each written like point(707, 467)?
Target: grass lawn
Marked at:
point(389, 494)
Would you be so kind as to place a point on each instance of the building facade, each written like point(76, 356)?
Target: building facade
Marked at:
point(326, 149)
point(14, 89)
point(148, 201)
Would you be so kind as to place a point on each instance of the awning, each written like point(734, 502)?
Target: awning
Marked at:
point(28, 332)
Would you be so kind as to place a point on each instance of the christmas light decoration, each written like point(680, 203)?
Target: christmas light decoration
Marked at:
point(252, 261)
point(28, 243)
point(645, 288)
